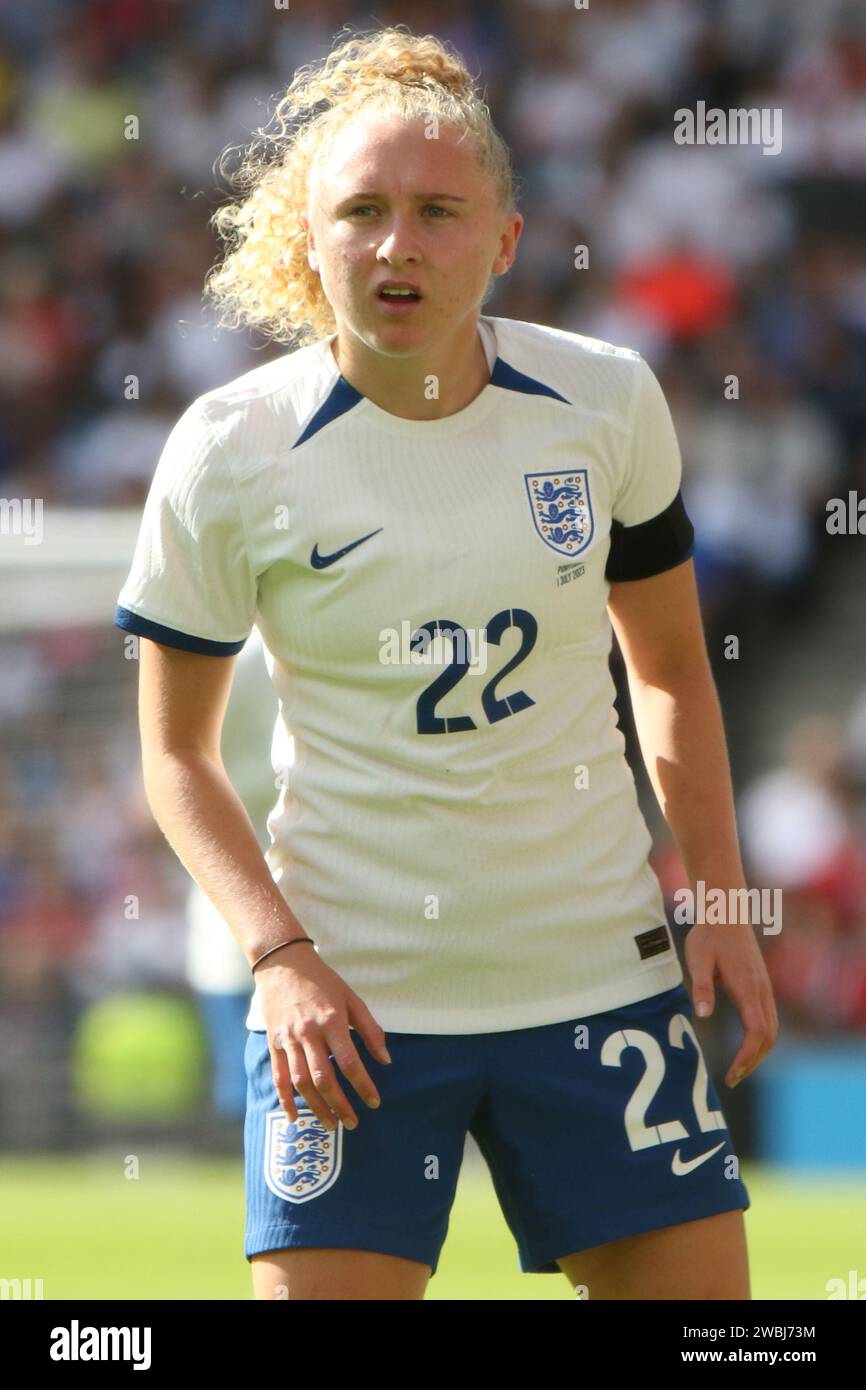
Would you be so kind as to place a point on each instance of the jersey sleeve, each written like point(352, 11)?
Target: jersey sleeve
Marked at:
point(650, 529)
point(191, 583)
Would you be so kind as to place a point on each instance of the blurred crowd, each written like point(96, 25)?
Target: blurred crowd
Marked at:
point(740, 275)
point(802, 830)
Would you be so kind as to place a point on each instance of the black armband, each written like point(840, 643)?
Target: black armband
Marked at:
point(638, 552)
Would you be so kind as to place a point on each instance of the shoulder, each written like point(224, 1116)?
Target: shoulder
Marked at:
point(254, 414)
point(596, 375)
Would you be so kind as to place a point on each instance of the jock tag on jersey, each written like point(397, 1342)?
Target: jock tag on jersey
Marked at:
point(653, 942)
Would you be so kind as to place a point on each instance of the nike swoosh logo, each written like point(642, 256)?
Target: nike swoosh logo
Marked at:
point(321, 562)
point(679, 1168)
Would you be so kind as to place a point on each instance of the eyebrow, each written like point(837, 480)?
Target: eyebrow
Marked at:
point(420, 197)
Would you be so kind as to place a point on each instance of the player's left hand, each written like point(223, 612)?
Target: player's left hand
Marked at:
point(730, 954)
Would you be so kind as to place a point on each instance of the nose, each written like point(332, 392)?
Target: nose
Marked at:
point(399, 246)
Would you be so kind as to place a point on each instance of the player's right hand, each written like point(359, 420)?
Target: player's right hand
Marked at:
point(308, 1010)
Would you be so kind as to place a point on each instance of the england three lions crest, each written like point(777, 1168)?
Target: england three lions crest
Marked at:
point(302, 1159)
point(562, 509)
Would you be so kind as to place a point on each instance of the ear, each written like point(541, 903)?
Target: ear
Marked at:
point(508, 247)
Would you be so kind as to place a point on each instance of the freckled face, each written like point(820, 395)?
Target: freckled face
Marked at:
point(386, 203)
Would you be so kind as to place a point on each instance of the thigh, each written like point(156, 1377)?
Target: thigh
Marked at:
point(337, 1274)
point(603, 1129)
point(703, 1259)
point(384, 1189)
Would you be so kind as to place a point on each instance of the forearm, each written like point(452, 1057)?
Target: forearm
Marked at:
point(207, 826)
point(679, 724)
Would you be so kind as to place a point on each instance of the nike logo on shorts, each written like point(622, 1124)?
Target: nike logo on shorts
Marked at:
point(679, 1167)
point(321, 562)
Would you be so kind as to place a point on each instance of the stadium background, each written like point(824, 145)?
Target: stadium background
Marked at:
point(712, 261)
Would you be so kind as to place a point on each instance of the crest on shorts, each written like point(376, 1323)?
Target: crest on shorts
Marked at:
point(562, 509)
point(302, 1158)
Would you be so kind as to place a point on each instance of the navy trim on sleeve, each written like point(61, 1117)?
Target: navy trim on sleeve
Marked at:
point(638, 552)
point(170, 637)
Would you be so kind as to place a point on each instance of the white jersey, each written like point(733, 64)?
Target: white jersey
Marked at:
point(459, 830)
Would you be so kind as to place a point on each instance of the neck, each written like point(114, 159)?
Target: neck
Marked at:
point(402, 385)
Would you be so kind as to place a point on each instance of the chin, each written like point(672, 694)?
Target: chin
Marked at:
point(395, 339)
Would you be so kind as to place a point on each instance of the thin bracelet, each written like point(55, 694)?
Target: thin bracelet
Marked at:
point(292, 942)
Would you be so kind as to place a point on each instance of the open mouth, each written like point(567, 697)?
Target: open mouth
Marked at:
point(389, 294)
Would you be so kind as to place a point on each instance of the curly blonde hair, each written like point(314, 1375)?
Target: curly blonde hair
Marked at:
point(264, 279)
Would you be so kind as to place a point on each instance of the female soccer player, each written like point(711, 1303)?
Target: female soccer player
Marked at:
point(429, 513)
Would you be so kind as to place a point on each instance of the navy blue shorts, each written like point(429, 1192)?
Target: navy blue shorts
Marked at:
point(593, 1129)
